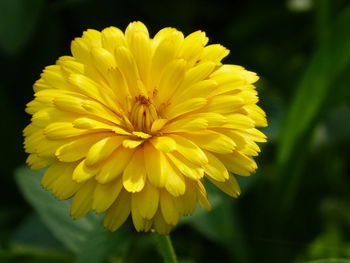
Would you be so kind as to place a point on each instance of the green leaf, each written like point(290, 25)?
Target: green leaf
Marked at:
point(328, 62)
point(18, 21)
point(54, 213)
point(314, 92)
point(99, 243)
point(85, 237)
point(33, 233)
point(306, 104)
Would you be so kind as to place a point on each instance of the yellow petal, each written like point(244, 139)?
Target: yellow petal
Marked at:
point(64, 187)
point(118, 85)
point(186, 203)
point(34, 106)
point(101, 111)
point(233, 75)
point(54, 77)
point(169, 211)
point(249, 96)
point(31, 129)
point(83, 173)
point(175, 182)
point(224, 104)
point(190, 150)
point(253, 134)
point(200, 89)
point(158, 124)
point(139, 45)
point(44, 148)
point(232, 87)
point(170, 34)
point(63, 130)
point(47, 116)
point(70, 65)
point(147, 201)
point(34, 136)
point(212, 141)
point(134, 176)
point(141, 135)
point(115, 165)
point(80, 50)
point(77, 149)
point(127, 65)
point(54, 172)
point(239, 139)
point(103, 60)
point(131, 144)
point(171, 78)
point(187, 168)
point(135, 27)
point(35, 162)
point(82, 200)
point(192, 47)
point(164, 143)
point(257, 114)
point(41, 84)
point(91, 124)
point(203, 196)
point(215, 169)
point(111, 38)
point(103, 149)
point(227, 70)
point(161, 226)
point(140, 223)
point(92, 37)
point(251, 77)
point(239, 121)
point(154, 164)
point(163, 55)
point(85, 85)
point(106, 194)
point(197, 73)
point(186, 124)
point(187, 106)
point(238, 163)
point(229, 187)
point(118, 212)
point(213, 119)
point(70, 103)
point(250, 149)
point(44, 95)
point(215, 53)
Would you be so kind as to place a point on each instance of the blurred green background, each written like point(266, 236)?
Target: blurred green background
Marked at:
point(296, 208)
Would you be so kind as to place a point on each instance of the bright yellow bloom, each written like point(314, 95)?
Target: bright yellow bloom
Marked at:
point(132, 125)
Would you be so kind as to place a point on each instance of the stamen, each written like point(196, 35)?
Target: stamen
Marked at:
point(143, 114)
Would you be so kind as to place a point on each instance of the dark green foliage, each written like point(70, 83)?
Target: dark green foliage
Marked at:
point(295, 209)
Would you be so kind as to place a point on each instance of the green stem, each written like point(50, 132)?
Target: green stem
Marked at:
point(165, 248)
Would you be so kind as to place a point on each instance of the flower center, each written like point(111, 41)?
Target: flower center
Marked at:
point(143, 114)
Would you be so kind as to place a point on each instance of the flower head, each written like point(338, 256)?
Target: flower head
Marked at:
point(133, 125)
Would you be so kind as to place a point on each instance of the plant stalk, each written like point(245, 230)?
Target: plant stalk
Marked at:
point(165, 248)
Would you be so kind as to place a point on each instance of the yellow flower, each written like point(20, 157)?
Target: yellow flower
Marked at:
point(133, 125)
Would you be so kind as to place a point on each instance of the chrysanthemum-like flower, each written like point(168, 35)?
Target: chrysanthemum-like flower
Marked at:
point(133, 125)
